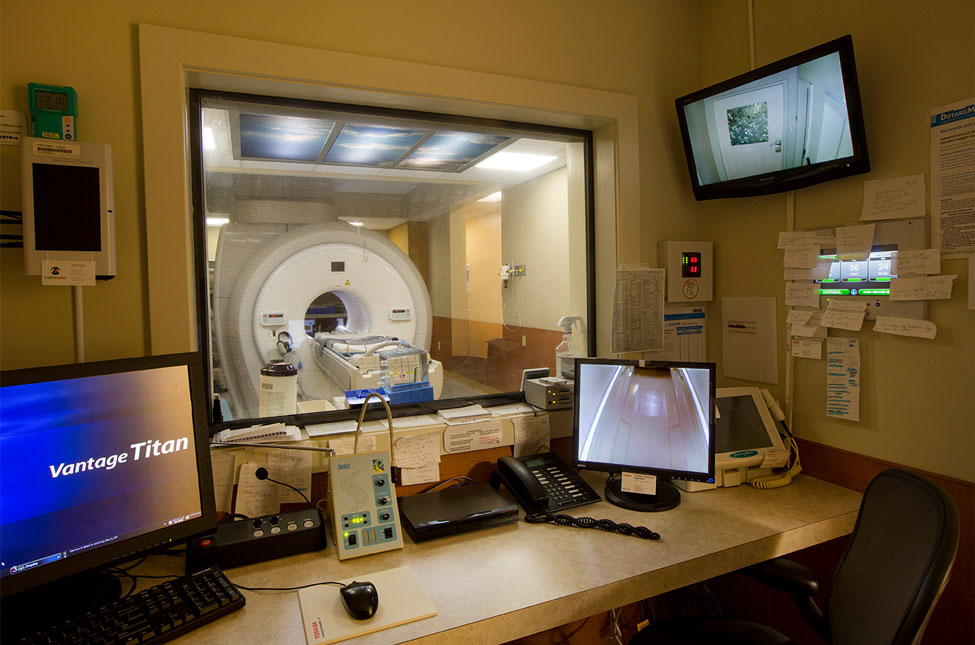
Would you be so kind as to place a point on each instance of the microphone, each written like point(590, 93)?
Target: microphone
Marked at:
point(262, 474)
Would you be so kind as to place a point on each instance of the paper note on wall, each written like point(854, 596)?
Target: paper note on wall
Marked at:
point(223, 464)
point(638, 310)
point(810, 329)
point(854, 242)
point(897, 198)
point(818, 272)
point(936, 287)
point(806, 258)
point(472, 436)
point(802, 294)
point(920, 261)
point(422, 475)
point(799, 316)
point(418, 450)
point(807, 348)
point(952, 170)
point(292, 467)
point(844, 314)
point(905, 327)
point(346, 445)
point(843, 378)
point(748, 339)
point(256, 497)
point(797, 240)
point(685, 335)
point(531, 435)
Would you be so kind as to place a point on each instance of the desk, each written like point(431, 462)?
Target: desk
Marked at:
point(503, 583)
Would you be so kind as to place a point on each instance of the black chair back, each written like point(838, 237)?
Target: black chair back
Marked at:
point(896, 563)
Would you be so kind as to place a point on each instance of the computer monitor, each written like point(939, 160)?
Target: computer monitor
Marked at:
point(644, 417)
point(100, 462)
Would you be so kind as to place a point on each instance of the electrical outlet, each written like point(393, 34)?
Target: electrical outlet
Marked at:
point(524, 341)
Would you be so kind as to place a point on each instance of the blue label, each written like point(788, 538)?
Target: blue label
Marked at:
point(741, 454)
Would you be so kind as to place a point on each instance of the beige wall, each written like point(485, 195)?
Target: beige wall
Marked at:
point(915, 394)
point(911, 57)
point(535, 233)
point(619, 48)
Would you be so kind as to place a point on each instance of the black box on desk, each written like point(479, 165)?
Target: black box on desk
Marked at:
point(455, 510)
point(257, 539)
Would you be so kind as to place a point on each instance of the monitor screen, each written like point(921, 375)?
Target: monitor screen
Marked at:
point(645, 417)
point(786, 125)
point(740, 426)
point(100, 461)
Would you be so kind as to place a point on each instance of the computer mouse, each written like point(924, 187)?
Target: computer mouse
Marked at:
point(360, 599)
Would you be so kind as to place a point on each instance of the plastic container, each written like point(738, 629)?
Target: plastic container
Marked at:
point(279, 389)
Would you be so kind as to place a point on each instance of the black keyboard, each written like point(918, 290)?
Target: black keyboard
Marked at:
point(155, 615)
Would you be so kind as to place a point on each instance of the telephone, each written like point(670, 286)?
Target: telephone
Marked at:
point(542, 483)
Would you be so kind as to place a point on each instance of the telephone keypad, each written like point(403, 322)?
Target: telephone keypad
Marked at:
point(565, 489)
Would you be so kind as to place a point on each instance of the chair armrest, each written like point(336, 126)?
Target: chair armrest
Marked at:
point(785, 575)
point(792, 577)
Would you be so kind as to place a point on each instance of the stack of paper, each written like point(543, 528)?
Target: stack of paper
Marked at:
point(464, 415)
point(260, 434)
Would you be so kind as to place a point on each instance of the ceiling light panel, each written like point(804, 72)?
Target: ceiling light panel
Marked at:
point(450, 151)
point(518, 161)
point(282, 137)
point(372, 145)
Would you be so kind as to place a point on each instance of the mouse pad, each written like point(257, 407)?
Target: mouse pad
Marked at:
point(401, 600)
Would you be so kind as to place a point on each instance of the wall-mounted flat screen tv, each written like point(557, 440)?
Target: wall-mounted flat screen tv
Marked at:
point(790, 124)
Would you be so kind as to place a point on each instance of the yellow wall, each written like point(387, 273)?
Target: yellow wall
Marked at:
point(627, 47)
point(915, 394)
point(911, 57)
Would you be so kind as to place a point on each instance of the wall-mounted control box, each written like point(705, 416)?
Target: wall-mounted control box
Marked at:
point(690, 270)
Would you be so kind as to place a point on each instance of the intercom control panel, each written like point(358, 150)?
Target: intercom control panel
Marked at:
point(362, 499)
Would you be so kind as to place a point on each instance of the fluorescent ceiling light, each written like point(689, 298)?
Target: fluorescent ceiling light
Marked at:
point(217, 221)
point(356, 223)
point(493, 197)
point(208, 141)
point(515, 161)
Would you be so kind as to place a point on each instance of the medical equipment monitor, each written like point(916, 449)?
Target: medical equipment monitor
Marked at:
point(100, 462)
point(634, 418)
point(786, 125)
point(746, 441)
point(68, 204)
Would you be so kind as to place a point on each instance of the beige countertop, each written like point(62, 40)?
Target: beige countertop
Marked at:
point(502, 583)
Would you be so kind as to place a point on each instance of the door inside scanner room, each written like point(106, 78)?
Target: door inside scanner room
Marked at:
point(335, 230)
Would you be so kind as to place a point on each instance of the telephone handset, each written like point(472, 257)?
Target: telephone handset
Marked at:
point(542, 483)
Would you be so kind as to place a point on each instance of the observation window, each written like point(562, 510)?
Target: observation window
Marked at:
point(342, 238)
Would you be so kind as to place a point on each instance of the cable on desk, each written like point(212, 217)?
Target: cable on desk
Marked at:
point(590, 523)
point(314, 584)
point(466, 481)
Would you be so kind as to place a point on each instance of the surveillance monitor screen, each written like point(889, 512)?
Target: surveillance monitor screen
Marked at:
point(645, 418)
point(783, 126)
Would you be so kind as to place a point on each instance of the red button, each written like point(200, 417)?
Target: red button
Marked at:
point(206, 542)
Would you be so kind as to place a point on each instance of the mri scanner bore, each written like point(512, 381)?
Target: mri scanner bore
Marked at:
point(369, 249)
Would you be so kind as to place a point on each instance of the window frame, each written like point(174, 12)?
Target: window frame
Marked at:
point(197, 96)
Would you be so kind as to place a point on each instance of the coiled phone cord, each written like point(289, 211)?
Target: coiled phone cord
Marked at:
point(590, 523)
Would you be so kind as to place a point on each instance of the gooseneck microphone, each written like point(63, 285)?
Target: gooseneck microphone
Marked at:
point(262, 474)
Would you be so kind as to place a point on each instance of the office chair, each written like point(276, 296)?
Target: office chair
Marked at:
point(884, 588)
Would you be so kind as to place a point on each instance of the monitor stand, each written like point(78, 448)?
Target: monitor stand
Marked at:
point(667, 496)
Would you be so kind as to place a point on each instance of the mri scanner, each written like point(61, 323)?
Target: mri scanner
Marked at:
point(267, 275)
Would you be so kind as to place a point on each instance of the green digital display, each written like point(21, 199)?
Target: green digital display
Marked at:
point(51, 101)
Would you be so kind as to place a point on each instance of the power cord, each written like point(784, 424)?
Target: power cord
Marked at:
point(781, 479)
point(591, 523)
point(314, 584)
